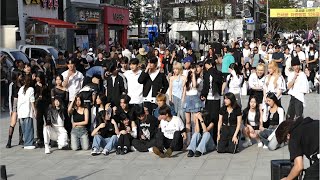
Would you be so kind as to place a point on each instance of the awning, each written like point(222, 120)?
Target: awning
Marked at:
point(56, 22)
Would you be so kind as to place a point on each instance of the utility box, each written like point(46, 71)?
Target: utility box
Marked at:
point(8, 36)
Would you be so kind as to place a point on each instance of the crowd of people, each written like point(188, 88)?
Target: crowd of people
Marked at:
point(160, 99)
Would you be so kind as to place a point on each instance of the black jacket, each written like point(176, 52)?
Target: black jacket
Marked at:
point(160, 84)
point(114, 91)
point(217, 81)
point(53, 113)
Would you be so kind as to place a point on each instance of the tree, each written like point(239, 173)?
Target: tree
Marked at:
point(136, 17)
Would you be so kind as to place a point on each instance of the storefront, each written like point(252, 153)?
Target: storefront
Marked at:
point(41, 23)
point(116, 22)
point(89, 33)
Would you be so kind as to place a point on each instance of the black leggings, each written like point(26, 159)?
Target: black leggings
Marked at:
point(41, 117)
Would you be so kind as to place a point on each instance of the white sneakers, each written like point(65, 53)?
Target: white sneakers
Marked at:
point(47, 149)
point(29, 147)
point(265, 147)
point(260, 144)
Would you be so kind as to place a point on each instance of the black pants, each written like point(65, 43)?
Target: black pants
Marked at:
point(125, 140)
point(151, 107)
point(176, 144)
point(143, 145)
point(41, 117)
point(225, 144)
point(295, 108)
point(88, 126)
point(312, 173)
point(213, 108)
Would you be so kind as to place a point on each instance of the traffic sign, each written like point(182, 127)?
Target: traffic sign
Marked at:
point(249, 20)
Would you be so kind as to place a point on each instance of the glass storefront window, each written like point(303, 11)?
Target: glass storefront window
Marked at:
point(41, 28)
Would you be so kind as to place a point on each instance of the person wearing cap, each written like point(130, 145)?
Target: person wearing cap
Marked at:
point(147, 129)
point(187, 64)
point(73, 79)
point(154, 82)
point(142, 56)
point(298, 86)
point(278, 57)
point(90, 57)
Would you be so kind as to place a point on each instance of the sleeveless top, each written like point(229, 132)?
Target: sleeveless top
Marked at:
point(77, 117)
point(177, 87)
point(273, 118)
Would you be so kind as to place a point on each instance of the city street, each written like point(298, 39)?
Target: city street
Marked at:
point(251, 163)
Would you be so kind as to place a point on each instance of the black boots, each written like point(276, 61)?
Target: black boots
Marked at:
point(11, 129)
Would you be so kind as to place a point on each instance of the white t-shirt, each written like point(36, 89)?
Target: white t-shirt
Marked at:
point(255, 82)
point(235, 83)
point(24, 107)
point(251, 118)
point(300, 87)
point(60, 122)
point(212, 96)
point(169, 127)
point(135, 89)
point(74, 84)
point(281, 85)
point(301, 56)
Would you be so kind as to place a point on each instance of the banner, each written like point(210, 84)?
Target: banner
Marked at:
point(303, 12)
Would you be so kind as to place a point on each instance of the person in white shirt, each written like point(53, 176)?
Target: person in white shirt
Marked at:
point(287, 57)
point(246, 52)
point(134, 87)
point(256, 82)
point(263, 51)
point(298, 86)
point(233, 83)
point(26, 112)
point(73, 80)
point(171, 134)
point(301, 55)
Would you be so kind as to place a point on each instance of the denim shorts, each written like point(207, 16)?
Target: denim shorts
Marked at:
point(192, 104)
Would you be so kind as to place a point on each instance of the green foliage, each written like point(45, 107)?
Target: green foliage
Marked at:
point(136, 17)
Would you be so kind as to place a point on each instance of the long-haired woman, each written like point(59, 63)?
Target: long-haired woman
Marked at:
point(80, 118)
point(15, 85)
point(128, 131)
point(229, 125)
point(191, 98)
point(252, 120)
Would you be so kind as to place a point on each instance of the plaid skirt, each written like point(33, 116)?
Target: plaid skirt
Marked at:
point(192, 104)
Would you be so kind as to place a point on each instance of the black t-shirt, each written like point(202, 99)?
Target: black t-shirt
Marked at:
point(304, 138)
point(230, 119)
point(108, 130)
point(102, 63)
point(207, 120)
point(80, 67)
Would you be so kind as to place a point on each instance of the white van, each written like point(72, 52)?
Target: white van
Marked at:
point(36, 51)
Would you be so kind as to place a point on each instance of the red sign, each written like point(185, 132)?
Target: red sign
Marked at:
point(115, 15)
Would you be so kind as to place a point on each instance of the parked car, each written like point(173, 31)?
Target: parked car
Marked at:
point(12, 55)
point(36, 51)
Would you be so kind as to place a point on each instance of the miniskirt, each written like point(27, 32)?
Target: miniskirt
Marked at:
point(192, 104)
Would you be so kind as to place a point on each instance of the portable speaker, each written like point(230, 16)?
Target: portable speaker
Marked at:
point(280, 168)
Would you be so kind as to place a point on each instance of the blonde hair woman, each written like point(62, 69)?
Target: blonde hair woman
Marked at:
point(176, 83)
point(274, 81)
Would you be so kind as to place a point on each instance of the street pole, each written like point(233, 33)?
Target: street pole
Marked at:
point(268, 17)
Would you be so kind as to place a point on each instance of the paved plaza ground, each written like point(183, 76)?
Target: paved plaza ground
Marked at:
point(252, 163)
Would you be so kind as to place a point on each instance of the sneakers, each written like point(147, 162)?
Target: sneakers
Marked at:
point(168, 153)
point(260, 144)
point(118, 150)
point(47, 150)
point(265, 147)
point(124, 150)
point(197, 154)
point(247, 143)
point(105, 152)
point(190, 153)
point(95, 152)
point(158, 152)
point(29, 147)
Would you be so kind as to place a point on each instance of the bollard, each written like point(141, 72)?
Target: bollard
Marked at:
point(3, 172)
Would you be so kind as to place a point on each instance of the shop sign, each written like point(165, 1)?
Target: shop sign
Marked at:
point(44, 3)
point(89, 16)
point(301, 12)
point(118, 17)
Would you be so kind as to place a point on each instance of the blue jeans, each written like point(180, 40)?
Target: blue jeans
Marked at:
point(79, 134)
point(106, 143)
point(273, 143)
point(27, 130)
point(202, 143)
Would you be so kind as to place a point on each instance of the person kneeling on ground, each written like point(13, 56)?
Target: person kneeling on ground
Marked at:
point(170, 135)
point(54, 128)
point(302, 136)
point(201, 141)
point(105, 134)
point(128, 131)
point(147, 129)
point(229, 125)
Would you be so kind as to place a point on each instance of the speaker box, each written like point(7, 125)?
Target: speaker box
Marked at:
point(280, 168)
